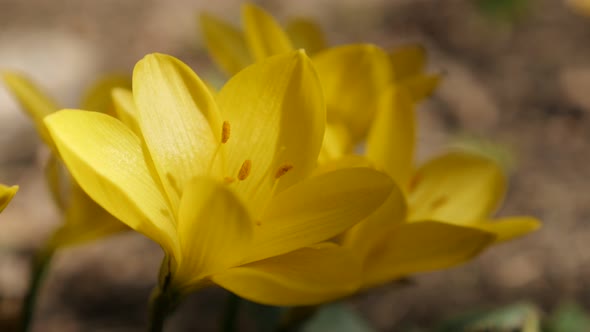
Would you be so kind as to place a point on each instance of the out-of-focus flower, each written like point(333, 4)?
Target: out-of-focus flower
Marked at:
point(262, 36)
point(446, 204)
point(84, 220)
point(581, 7)
point(6, 195)
point(223, 183)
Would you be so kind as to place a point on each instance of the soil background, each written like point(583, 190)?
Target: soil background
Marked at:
point(516, 74)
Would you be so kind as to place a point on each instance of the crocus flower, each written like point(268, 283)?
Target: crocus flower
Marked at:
point(262, 36)
point(84, 220)
point(223, 183)
point(6, 195)
point(443, 214)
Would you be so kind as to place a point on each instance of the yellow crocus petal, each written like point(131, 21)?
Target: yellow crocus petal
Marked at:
point(408, 61)
point(214, 230)
point(6, 195)
point(303, 277)
point(337, 143)
point(58, 181)
point(457, 187)
point(348, 161)
point(84, 221)
point(264, 35)
point(35, 102)
point(176, 115)
point(226, 44)
point(353, 78)
point(391, 140)
point(319, 208)
point(277, 116)
point(306, 34)
point(421, 86)
point(509, 228)
point(360, 237)
point(98, 97)
point(410, 248)
point(107, 161)
point(125, 109)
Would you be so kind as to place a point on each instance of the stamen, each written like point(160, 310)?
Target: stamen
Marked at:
point(245, 170)
point(225, 132)
point(414, 182)
point(283, 170)
point(228, 180)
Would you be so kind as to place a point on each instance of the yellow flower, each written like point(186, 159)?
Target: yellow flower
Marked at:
point(441, 216)
point(223, 183)
point(233, 49)
point(6, 195)
point(84, 220)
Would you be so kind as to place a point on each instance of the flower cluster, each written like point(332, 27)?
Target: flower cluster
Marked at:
point(294, 184)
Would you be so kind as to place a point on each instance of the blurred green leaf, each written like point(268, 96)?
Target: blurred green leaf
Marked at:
point(569, 317)
point(518, 317)
point(503, 10)
point(337, 318)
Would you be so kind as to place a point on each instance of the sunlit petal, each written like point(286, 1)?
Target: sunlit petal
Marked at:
point(125, 109)
point(178, 118)
point(264, 35)
point(353, 78)
point(337, 143)
point(214, 230)
point(275, 116)
point(303, 277)
point(6, 195)
point(306, 34)
point(406, 249)
point(509, 228)
point(391, 141)
point(34, 101)
point(318, 209)
point(106, 159)
point(461, 188)
point(226, 44)
point(98, 97)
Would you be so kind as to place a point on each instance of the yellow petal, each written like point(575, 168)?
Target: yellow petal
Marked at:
point(353, 78)
point(391, 141)
point(214, 230)
point(176, 115)
point(85, 221)
point(226, 44)
point(410, 248)
point(106, 159)
point(337, 143)
point(360, 238)
point(125, 109)
point(58, 181)
point(460, 188)
point(6, 195)
point(319, 209)
point(421, 86)
point(276, 114)
point(35, 102)
point(306, 34)
point(264, 35)
point(408, 61)
point(98, 97)
point(303, 277)
point(509, 228)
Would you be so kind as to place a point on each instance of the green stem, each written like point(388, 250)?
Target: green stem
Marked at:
point(39, 267)
point(162, 304)
point(230, 317)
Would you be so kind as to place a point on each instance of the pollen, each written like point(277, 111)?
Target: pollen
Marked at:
point(245, 170)
point(283, 170)
point(225, 132)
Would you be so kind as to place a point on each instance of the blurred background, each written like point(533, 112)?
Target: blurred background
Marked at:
point(516, 72)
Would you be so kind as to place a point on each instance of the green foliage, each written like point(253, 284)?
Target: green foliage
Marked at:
point(569, 317)
point(503, 10)
point(337, 318)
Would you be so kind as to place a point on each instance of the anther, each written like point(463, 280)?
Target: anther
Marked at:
point(228, 180)
point(245, 170)
point(225, 132)
point(414, 182)
point(283, 170)
point(438, 202)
